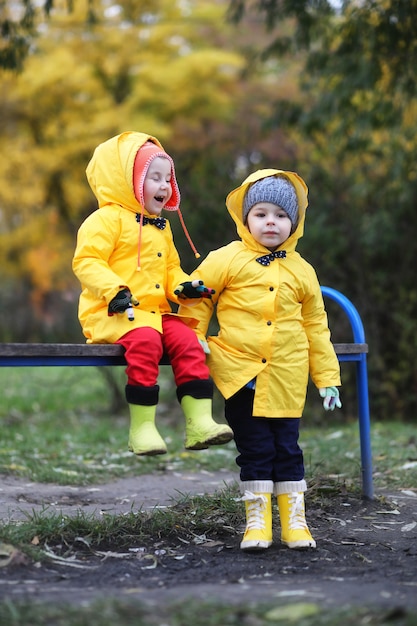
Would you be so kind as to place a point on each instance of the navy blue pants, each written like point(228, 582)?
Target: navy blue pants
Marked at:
point(268, 446)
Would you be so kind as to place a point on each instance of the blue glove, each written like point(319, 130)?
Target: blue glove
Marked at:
point(193, 289)
point(331, 398)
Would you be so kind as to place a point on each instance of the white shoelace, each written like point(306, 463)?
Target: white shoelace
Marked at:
point(297, 515)
point(255, 511)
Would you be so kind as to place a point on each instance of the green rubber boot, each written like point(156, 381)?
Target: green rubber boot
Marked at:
point(201, 431)
point(144, 438)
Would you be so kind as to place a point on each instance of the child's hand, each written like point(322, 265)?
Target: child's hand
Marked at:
point(193, 289)
point(122, 302)
point(331, 398)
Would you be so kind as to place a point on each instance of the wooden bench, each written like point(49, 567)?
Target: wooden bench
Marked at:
point(50, 354)
point(44, 354)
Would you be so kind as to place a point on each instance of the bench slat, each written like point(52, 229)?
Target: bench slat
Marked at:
point(112, 350)
point(350, 348)
point(60, 349)
point(72, 354)
point(83, 354)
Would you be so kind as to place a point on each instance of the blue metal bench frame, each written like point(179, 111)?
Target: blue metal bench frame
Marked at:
point(52, 354)
point(361, 384)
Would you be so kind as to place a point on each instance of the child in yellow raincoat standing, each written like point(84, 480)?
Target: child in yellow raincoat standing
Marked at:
point(273, 334)
point(130, 271)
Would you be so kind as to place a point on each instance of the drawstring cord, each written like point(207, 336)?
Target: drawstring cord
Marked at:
point(187, 234)
point(140, 239)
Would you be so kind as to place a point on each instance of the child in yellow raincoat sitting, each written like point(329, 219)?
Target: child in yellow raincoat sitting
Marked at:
point(273, 334)
point(125, 256)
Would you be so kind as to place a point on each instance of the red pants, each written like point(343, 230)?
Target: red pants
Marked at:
point(145, 346)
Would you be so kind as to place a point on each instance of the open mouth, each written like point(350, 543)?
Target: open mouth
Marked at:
point(159, 198)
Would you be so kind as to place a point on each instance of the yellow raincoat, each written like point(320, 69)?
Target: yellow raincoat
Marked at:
point(273, 325)
point(106, 255)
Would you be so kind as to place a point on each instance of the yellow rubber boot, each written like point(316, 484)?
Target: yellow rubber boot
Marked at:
point(258, 505)
point(201, 431)
point(144, 438)
point(294, 530)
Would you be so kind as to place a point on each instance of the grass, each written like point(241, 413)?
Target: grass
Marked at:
point(333, 452)
point(199, 613)
point(57, 427)
point(189, 515)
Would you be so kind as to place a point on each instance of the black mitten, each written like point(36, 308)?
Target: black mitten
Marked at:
point(193, 289)
point(120, 302)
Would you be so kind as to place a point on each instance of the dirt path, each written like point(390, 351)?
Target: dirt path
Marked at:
point(366, 551)
point(20, 497)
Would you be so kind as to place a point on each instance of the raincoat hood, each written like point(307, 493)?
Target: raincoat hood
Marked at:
point(110, 171)
point(110, 175)
point(234, 203)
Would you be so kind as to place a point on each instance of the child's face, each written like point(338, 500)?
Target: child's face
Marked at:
point(157, 189)
point(269, 224)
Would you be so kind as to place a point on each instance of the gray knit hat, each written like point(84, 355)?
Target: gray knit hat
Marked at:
point(275, 189)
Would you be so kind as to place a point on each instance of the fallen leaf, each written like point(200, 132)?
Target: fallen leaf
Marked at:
point(60, 470)
point(9, 555)
point(362, 557)
point(70, 561)
point(292, 612)
point(342, 522)
point(143, 550)
point(335, 435)
point(153, 559)
point(392, 512)
point(410, 465)
point(83, 540)
point(113, 555)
